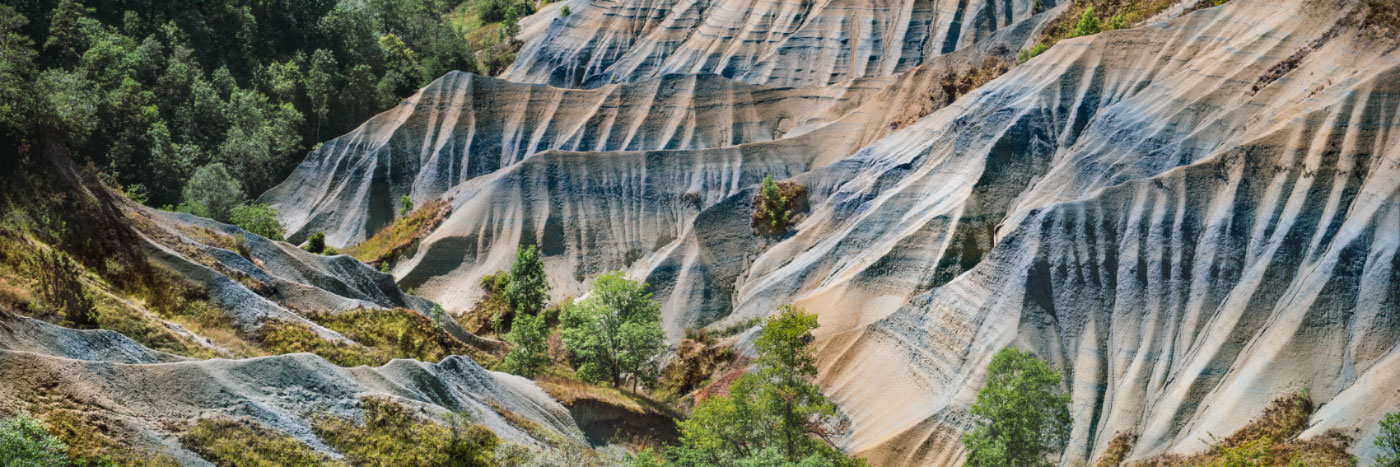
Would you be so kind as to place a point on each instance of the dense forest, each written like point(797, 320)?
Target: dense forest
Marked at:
point(151, 92)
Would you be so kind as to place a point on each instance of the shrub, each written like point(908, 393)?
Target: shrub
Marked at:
point(774, 205)
point(1388, 441)
point(405, 205)
point(615, 332)
point(216, 189)
point(316, 243)
point(530, 353)
point(258, 218)
point(60, 286)
point(25, 442)
point(393, 435)
point(1021, 416)
point(1088, 24)
point(233, 443)
point(190, 206)
point(564, 11)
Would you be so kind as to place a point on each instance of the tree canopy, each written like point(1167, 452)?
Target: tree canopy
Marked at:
point(615, 332)
point(770, 416)
point(1022, 416)
point(152, 92)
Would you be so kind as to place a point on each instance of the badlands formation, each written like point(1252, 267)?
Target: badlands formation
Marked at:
point(1191, 217)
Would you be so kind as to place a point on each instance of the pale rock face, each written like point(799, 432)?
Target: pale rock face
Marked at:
point(1184, 247)
point(779, 43)
point(463, 126)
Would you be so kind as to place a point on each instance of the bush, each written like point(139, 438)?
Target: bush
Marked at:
point(190, 207)
point(1088, 24)
point(393, 435)
point(260, 219)
point(1388, 441)
point(564, 11)
point(774, 205)
point(213, 187)
point(1021, 416)
point(316, 243)
point(232, 443)
point(405, 205)
point(61, 287)
point(25, 442)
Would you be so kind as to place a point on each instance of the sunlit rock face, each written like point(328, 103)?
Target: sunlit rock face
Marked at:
point(779, 43)
point(1185, 240)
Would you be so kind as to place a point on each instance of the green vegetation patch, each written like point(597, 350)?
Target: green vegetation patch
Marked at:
point(232, 443)
point(775, 205)
point(397, 238)
point(395, 333)
point(284, 337)
point(1088, 17)
point(378, 335)
point(392, 434)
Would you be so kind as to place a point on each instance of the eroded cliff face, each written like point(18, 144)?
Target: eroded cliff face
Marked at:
point(1185, 228)
point(777, 43)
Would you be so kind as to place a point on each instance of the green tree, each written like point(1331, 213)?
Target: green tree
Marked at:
point(1021, 415)
point(528, 289)
point(16, 69)
point(214, 188)
point(564, 11)
point(770, 416)
point(786, 367)
point(258, 218)
point(530, 338)
point(25, 442)
point(615, 332)
point(320, 81)
point(1088, 23)
point(1388, 441)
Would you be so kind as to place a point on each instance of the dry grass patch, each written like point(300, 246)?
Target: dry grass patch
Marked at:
point(568, 390)
point(698, 358)
point(1271, 439)
point(401, 236)
point(1117, 450)
point(227, 442)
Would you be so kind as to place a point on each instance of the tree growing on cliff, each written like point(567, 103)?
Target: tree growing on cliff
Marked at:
point(615, 332)
point(1021, 414)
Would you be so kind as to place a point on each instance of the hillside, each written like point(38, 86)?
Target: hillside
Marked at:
point(1189, 210)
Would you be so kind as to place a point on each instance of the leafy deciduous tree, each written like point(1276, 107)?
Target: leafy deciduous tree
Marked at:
point(1022, 416)
point(615, 332)
point(530, 338)
point(528, 290)
point(213, 187)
